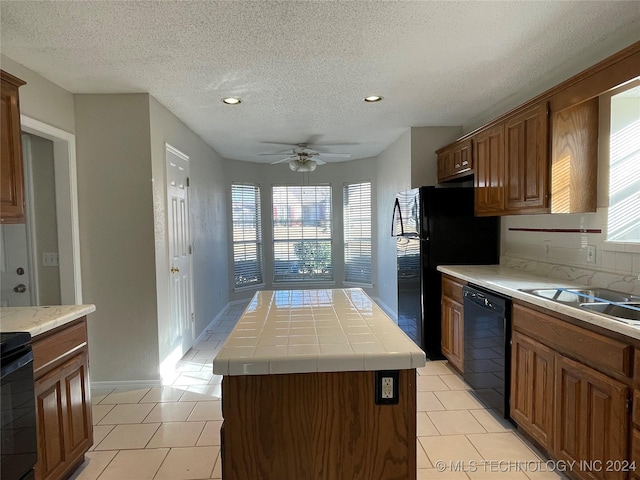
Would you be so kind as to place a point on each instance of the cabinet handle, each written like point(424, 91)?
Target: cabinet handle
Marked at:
point(465, 163)
point(457, 165)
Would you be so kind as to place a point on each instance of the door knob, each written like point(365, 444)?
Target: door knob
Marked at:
point(20, 288)
point(175, 270)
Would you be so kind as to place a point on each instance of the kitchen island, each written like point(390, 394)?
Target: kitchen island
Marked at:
point(302, 389)
point(61, 383)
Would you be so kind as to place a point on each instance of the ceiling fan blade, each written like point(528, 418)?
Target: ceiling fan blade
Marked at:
point(319, 162)
point(284, 160)
point(334, 155)
point(287, 154)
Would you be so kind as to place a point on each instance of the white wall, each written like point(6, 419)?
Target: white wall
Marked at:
point(394, 171)
point(117, 235)
point(424, 143)
point(208, 203)
point(335, 174)
point(41, 99)
point(46, 231)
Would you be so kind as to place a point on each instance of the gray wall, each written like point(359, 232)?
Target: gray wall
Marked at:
point(208, 198)
point(42, 99)
point(424, 143)
point(46, 234)
point(336, 174)
point(394, 170)
point(117, 235)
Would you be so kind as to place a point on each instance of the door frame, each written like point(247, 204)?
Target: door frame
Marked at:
point(168, 148)
point(66, 182)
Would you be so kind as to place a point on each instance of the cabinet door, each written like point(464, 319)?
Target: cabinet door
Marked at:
point(531, 403)
point(445, 165)
point(488, 160)
point(452, 332)
point(63, 410)
point(527, 160)
point(591, 418)
point(11, 174)
point(462, 161)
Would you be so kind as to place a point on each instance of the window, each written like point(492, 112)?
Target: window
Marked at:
point(302, 233)
point(247, 235)
point(624, 167)
point(357, 232)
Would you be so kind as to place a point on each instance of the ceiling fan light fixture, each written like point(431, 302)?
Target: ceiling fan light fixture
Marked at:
point(302, 167)
point(231, 100)
point(372, 98)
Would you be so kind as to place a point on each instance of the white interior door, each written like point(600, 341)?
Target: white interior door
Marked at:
point(14, 266)
point(179, 249)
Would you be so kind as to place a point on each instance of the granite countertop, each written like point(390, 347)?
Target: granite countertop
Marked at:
point(305, 331)
point(37, 320)
point(508, 281)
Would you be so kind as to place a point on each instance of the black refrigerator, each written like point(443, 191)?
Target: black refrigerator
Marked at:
point(436, 226)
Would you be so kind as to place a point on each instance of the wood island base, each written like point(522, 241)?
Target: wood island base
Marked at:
point(320, 426)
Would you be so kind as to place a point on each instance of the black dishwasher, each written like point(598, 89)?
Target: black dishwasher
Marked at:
point(487, 346)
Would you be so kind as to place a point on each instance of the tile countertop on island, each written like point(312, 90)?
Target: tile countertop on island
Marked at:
point(305, 331)
point(37, 320)
point(509, 281)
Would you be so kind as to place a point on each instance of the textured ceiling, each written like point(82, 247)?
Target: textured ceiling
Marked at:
point(302, 68)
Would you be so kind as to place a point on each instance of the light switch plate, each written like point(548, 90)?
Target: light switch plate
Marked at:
point(591, 254)
point(49, 259)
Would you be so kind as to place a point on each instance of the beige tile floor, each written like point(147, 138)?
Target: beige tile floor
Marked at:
point(173, 432)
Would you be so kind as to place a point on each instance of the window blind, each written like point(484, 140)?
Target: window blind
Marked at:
point(357, 232)
point(247, 235)
point(302, 233)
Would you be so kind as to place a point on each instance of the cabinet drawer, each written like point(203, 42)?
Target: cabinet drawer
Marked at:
point(53, 348)
point(452, 289)
point(602, 353)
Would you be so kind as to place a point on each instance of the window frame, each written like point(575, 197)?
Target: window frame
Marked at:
point(310, 281)
point(604, 169)
point(259, 239)
point(355, 282)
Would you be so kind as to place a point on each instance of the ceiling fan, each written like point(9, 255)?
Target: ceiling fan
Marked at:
point(304, 159)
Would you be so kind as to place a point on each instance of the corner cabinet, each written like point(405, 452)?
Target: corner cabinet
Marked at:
point(11, 176)
point(63, 400)
point(570, 393)
point(452, 341)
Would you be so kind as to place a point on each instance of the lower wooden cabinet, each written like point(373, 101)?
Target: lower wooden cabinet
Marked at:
point(452, 311)
point(591, 418)
point(573, 411)
point(452, 332)
point(532, 376)
point(63, 400)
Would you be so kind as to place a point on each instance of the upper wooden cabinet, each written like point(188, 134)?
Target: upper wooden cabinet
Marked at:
point(527, 160)
point(11, 175)
point(511, 161)
point(455, 161)
point(489, 178)
point(542, 156)
point(574, 158)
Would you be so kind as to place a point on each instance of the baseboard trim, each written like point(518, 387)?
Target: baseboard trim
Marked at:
point(127, 384)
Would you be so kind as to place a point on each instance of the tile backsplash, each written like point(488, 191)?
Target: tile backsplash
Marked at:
point(550, 251)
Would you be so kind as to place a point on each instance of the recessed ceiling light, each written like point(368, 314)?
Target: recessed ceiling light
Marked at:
point(231, 101)
point(372, 98)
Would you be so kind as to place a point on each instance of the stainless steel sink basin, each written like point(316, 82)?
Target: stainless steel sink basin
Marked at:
point(578, 297)
point(627, 311)
point(620, 306)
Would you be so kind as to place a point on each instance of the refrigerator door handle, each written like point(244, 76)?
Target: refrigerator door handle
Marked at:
point(398, 212)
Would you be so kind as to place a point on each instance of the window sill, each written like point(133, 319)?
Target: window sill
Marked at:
point(249, 287)
point(357, 285)
point(628, 247)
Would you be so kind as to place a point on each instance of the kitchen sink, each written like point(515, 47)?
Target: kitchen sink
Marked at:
point(620, 306)
point(627, 311)
point(579, 297)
